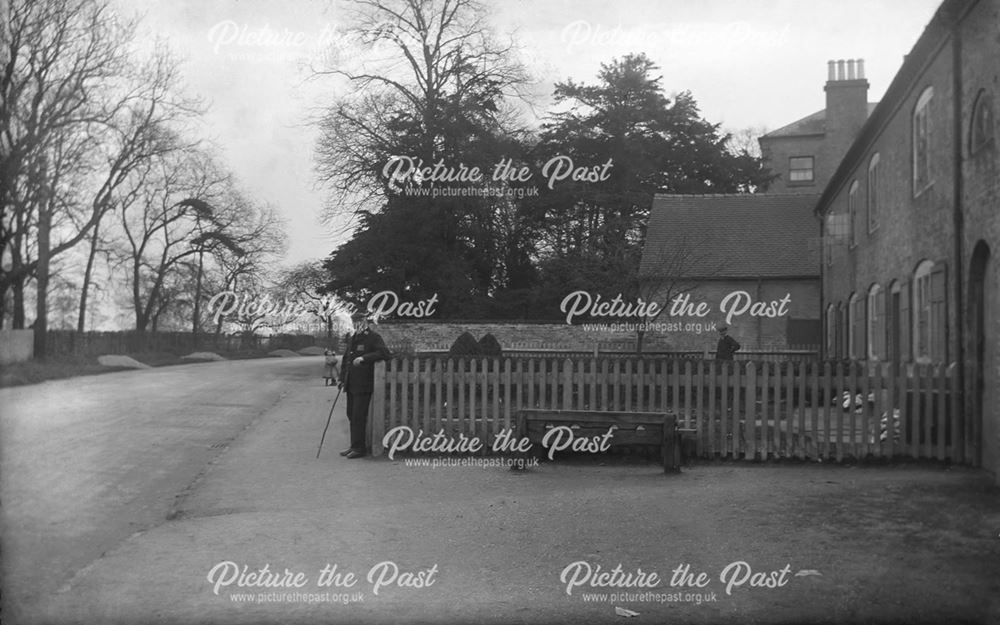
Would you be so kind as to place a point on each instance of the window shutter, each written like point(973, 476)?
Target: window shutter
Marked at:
point(880, 329)
point(905, 351)
point(841, 331)
point(863, 338)
point(856, 330)
point(939, 317)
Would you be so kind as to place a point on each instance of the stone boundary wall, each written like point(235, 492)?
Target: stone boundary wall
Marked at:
point(16, 346)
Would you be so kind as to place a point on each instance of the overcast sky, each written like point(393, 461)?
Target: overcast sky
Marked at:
point(748, 63)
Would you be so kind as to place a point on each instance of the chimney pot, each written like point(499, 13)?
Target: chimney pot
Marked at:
point(841, 74)
point(861, 68)
point(831, 71)
point(850, 69)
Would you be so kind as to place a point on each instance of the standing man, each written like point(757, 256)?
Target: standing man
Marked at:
point(364, 349)
point(727, 345)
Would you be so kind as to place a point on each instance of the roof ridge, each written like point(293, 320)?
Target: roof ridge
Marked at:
point(765, 194)
point(816, 116)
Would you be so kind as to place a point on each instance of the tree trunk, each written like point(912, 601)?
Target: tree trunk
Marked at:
point(17, 245)
point(81, 321)
point(197, 300)
point(18, 316)
point(42, 279)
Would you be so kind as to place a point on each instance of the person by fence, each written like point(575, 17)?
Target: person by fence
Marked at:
point(364, 349)
point(727, 345)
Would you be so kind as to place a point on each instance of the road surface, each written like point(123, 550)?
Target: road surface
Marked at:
point(160, 496)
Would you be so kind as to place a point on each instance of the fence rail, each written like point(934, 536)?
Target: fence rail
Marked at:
point(542, 350)
point(739, 410)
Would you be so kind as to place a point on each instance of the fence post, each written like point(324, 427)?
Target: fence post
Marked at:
point(732, 391)
point(800, 375)
point(876, 421)
point(927, 410)
point(958, 415)
point(725, 434)
point(449, 393)
point(424, 380)
point(376, 417)
point(866, 385)
point(941, 384)
point(507, 396)
point(750, 412)
point(567, 384)
point(438, 384)
point(765, 398)
point(706, 406)
point(906, 406)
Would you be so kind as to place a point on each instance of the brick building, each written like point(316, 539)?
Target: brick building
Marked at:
point(911, 219)
point(711, 247)
point(805, 153)
point(765, 244)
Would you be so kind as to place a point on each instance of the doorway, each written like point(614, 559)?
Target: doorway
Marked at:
point(977, 358)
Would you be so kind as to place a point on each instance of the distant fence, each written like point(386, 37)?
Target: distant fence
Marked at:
point(739, 410)
point(89, 344)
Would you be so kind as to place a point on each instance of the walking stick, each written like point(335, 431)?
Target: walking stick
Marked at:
point(330, 416)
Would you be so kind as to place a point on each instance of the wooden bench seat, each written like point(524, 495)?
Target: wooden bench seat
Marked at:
point(627, 428)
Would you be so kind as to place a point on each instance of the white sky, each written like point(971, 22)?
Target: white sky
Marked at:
point(748, 63)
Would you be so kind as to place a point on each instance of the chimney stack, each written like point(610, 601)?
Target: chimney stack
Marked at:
point(846, 106)
point(851, 69)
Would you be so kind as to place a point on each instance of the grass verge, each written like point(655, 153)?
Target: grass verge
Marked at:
point(35, 371)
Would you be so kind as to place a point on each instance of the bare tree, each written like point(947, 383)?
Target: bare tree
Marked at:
point(77, 115)
point(167, 226)
point(671, 271)
point(305, 282)
point(746, 140)
point(143, 131)
point(258, 236)
point(423, 69)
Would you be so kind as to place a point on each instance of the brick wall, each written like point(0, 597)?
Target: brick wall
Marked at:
point(981, 203)
point(777, 151)
point(753, 333)
point(911, 227)
point(918, 224)
point(443, 334)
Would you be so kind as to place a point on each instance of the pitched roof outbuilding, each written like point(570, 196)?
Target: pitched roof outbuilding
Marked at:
point(746, 235)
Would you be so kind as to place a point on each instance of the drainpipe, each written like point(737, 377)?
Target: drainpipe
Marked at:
point(825, 321)
point(960, 305)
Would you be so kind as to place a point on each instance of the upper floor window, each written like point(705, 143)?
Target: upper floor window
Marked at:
point(921, 142)
point(852, 215)
point(800, 169)
point(836, 234)
point(983, 126)
point(874, 195)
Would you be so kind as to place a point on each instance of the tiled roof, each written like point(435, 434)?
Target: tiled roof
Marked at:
point(814, 124)
point(733, 236)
